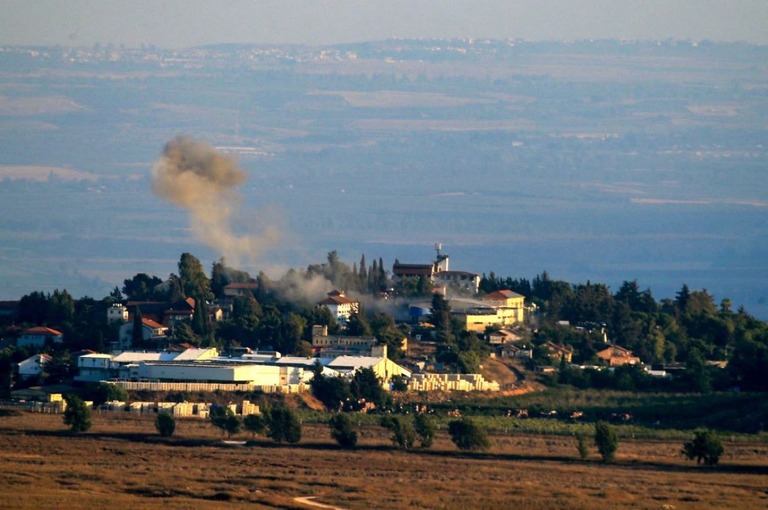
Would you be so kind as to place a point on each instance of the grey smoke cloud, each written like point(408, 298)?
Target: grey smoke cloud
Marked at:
point(195, 176)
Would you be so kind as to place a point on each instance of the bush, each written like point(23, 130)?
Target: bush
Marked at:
point(283, 425)
point(342, 430)
point(467, 435)
point(165, 424)
point(403, 435)
point(582, 446)
point(705, 447)
point(425, 427)
point(77, 415)
point(606, 440)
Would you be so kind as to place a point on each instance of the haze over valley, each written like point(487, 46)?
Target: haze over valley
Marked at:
point(597, 160)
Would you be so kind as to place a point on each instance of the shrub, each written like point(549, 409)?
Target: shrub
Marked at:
point(77, 415)
point(606, 440)
point(165, 424)
point(705, 447)
point(403, 435)
point(583, 446)
point(425, 427)
point(467, 435)
point(342, 430)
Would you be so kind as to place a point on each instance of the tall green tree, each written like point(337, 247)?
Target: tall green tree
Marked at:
point(440, 318)
point(137, 329)
point(403, 434)
point(606, 440)
point(141, 287)
point(194, 282)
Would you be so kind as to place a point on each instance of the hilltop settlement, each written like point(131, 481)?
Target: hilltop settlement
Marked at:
point(419, 327)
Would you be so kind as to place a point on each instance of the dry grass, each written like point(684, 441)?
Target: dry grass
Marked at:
point(123, 463)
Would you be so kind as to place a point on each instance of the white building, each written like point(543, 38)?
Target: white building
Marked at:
point(33, 366)
point(340, 306)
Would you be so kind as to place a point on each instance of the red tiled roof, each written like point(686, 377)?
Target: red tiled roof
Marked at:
point(42, 330)
point(503, 294)
point(151, 324)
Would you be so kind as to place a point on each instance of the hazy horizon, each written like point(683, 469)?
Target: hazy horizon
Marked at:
point(178, 24)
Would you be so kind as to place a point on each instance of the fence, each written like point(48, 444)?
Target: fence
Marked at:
point(208, 387)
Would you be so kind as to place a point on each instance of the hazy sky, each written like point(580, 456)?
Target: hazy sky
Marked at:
point(181, 23)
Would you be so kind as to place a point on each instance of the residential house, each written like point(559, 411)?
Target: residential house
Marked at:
point(33, 366)
point(559, 352)
point(615, 356)
point(152, 333)
point(340, 306)
point(503, 336)
point(38, 336)
point(117, 313)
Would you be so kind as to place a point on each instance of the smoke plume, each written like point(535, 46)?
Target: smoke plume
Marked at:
point(195, 176)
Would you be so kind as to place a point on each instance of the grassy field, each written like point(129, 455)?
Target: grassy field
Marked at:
point(121, 462)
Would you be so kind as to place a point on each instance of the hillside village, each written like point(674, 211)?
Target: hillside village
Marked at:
point(442, 329)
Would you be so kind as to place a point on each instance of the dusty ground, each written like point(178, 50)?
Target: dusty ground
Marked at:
point(122, 463)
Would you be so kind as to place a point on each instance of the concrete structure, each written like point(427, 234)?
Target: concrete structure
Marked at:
point(451, 382)
point(95, 367)
point(37, 337)
point(461, 280)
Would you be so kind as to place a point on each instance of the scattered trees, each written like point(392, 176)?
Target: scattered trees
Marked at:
point(77, 414)
point(606, 440)
point(343, 430)
point(165, 424)
point(468, 435)
point(705, 447)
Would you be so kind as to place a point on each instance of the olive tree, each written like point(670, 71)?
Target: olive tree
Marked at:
point(468, 435)
point(425, 427)
point(705, 447)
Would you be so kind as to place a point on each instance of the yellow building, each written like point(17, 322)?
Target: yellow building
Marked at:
point(502, 308)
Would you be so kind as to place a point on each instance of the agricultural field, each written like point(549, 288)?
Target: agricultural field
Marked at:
point(122, 462)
